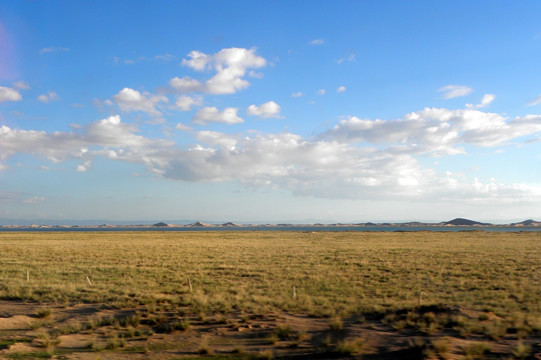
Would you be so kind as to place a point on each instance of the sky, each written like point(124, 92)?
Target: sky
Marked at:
point(265, 112)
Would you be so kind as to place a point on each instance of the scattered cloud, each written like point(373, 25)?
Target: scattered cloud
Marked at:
point(485, 101)
point(180, 126)
point(47, 98)
point(230, 65)
point(132, 100)
point(357, 158)
point(296, 94)
point(436, 131)
point(53, 49)
point(185, 103)
point(453, 91)
point(83, 167)
point(267, 110)
point(341, 89)
point(21, 85)
point(535, 101)
point(213, 115)
point(9, 94)
point(321, 92)
point(349, 58)
point(186, 84)
point(317, 42)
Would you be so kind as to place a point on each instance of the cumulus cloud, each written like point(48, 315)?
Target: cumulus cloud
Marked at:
point(317, 42)
point(186, 84)
point(83, 167)
point(180, 126)
point(341, 89)
point(48, 97)
point(269, 109)
point(437, 131)
point(185, 103)
point(110, 138)
point(296, 94)
point(213, 115)
point(132, 100)
point(358, 158)
point(230, 66)
point(9, 94)
point(453, 91)
point(321, 92)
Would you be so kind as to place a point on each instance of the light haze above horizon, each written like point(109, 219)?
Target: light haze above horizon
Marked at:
point(243, 111)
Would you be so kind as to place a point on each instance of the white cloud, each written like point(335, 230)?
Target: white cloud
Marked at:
point(186, 84)
point(535, 101)
point(185, 103)
point(267, 110)
point(436, 131)
point(296, 94)
point(47, 98)
point(53, 49)
point(341, 89)
point(109, 138)
point(485, 101)
point(321, 92)
point(358, 158)
point(349, 58)
point(317, 42)
point(83, 167)
point(197, 60)
point(132, 100)
point(21, 85)
point(180, 126)
point(213, 115)
point(9, 94)
point(230, 65)
point(453, 91)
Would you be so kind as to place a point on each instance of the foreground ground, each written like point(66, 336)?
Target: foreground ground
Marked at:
point(242, 295)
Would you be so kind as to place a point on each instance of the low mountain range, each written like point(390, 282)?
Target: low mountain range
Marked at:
point(5, 223)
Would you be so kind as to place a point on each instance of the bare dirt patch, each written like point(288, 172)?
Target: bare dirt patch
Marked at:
point(97, 331)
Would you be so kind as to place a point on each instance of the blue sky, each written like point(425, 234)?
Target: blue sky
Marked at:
point(270, 111)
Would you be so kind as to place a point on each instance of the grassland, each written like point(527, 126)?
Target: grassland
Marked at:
point(384, 280)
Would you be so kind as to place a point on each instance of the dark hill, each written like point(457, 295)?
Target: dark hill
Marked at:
point(462, 222)
point(160, 224)
point(528, 222)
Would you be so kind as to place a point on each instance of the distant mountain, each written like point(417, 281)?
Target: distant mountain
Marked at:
point(528, 222)
point(199, 224)
point(160, 224)
point(229, 224)
point(463, 222)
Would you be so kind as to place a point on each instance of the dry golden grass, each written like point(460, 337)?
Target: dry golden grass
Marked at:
point(334, 273)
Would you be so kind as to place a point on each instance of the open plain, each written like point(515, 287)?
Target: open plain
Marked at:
point(263, 295)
